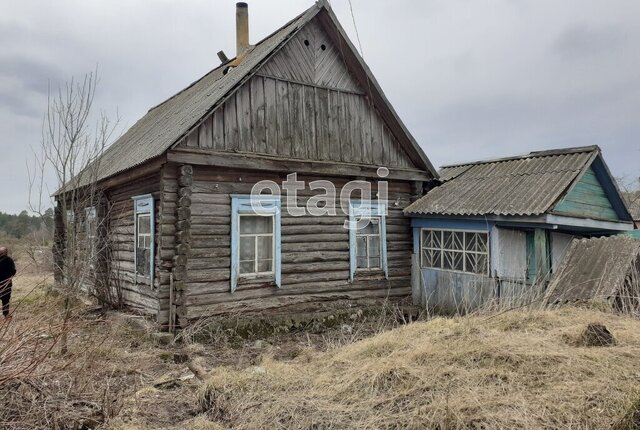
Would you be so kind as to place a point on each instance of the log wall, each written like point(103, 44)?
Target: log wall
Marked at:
point(315, 252)
point(140, 296)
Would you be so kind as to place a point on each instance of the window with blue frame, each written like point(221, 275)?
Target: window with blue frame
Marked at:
point(459, 251)
point(367, 238)
point(144, 233)
point(255, 239)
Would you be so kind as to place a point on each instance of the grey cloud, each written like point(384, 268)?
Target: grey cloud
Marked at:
point(470, 81)
point(583, 40)
point(33, 73)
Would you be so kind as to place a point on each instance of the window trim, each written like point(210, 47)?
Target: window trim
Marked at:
point(463, 251)
point(268, 206)
point(361, 208)
point(91, 213)
point(142, 205)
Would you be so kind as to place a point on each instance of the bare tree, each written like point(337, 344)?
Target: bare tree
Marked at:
point(74, 137)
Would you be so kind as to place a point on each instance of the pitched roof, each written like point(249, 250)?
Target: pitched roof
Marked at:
point(524, 185)
point(633, 203)
point(596, 268)
point(167, 123)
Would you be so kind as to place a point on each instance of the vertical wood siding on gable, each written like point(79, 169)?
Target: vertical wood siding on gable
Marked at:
point(587, 199)
point(303, 104)
point(274, 117)
point(309, 63)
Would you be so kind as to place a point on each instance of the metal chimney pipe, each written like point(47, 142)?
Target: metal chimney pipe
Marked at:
point(242, 28)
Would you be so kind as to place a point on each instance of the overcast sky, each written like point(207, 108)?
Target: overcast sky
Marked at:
point(471, 79)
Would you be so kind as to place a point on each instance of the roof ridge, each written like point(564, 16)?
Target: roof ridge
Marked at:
point(252, 47)
point(533, 154)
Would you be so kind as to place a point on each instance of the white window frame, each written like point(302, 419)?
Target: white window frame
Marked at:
point(256, 273)
point(367, 209)
point(462, 251)
point(144, 205)
point(91, 215)
point(262, 205)
point(359, 234)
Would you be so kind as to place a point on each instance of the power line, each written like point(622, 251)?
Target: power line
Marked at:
point(353, 18)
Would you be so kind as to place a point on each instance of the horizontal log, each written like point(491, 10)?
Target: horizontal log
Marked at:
point(210, 220)
point(301, 238)
point(279, 303)
point(314, 256)
point(210, 242)
point(279, 164)
point(308, 268)
point(243, 292)
point(308, 246)
point(211, 229)
point(208, 263)
point(210, 210)
point(208, 275)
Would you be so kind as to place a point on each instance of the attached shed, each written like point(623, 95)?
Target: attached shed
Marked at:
point(496, 230)
point(606, 268)
point(186, 234)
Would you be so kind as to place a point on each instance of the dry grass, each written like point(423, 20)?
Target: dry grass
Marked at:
point(516, 370)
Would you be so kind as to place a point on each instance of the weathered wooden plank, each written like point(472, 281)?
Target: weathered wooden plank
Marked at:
point(314, 257)
point(243, 110)
point(354, 127)
point(283, 119)
point(377, 155)
point(273, 301)
point(271, 115)
point(365, 121)
point(258, 115)
point(205, 139)
point(218, 130)
point(323, 143)
point(297, 124)
point(301, 238)
point(333, 124)
point(192, 139)
point(287, 165)
point(231, 133)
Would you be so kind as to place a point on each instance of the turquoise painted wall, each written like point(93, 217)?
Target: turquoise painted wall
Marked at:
point(587, 199)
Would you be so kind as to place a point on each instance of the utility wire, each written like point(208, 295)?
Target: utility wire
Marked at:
point(353, 18)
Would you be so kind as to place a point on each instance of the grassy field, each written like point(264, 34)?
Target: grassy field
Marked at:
point(524, 369)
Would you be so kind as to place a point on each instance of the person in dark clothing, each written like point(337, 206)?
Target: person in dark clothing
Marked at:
point(7, 272)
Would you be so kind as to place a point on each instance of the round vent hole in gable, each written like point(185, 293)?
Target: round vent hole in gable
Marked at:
point(323, 47)
point(306, 42)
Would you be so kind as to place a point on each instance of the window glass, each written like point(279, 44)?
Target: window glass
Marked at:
point(256, 244)
point(143, 244)
point(256, 224)
point(368, 244)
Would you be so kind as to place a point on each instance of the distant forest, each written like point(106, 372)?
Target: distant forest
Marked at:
point(22, 225)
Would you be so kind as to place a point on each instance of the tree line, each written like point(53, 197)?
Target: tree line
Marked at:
point(23, 224)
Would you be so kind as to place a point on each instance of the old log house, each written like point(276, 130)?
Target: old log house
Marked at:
point(183, 240)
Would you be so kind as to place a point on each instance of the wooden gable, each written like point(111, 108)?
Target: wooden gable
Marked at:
point(303, 103)
point(587, 199)
point(311, 58)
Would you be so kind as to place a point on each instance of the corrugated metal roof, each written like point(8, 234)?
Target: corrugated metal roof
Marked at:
point(166, 123)
point(595, 268)
point(633, 203)
point(526, 185)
